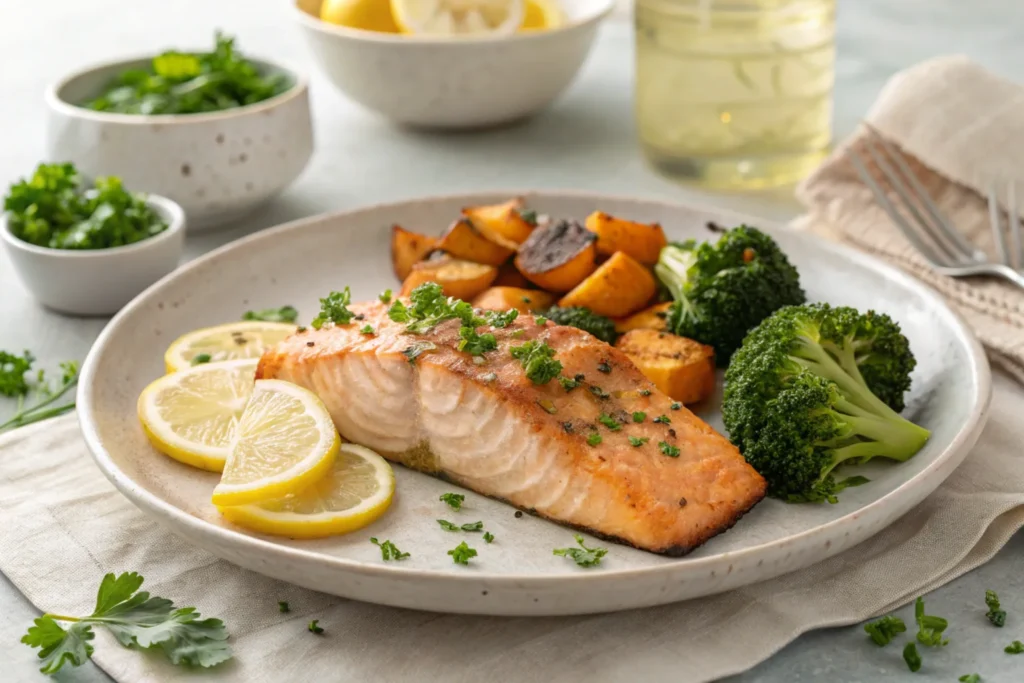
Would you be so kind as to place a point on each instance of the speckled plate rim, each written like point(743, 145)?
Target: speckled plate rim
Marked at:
point(889, 507)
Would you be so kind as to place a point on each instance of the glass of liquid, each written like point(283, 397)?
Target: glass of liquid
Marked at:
point(735, 94)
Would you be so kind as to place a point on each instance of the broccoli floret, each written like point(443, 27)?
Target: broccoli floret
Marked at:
point(585, 319)
point(723, 290)
point(799, 398)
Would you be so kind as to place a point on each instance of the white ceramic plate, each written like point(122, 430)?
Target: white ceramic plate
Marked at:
point(517, 574)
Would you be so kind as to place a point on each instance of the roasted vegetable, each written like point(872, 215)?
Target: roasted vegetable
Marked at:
point(723, 290)
point(558, 257)
point(509, 276)
point(680, 367)
point(459, 279)
point(465, 241)
point(620, 286)
point(584, 319)
point(814, 387)
point(504, 298)
point(640, 240)
point(653, 318)
point(408, 249)
point(504, 220)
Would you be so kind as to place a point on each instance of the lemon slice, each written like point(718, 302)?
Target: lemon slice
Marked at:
point(285, 441)
point(192, 415)
point(458, 17)
point(225, 342)
point(356, 491)
point(368, 15)
point(542, 15)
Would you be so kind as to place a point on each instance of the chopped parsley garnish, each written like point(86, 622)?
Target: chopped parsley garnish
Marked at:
point(568, 384)
point(583, 556)
point(538, 361)
point(663, 419)
point(609, 422)
point(462, 553)
point(367, 329)
point(676, 405)
point(12, 373)
point(136, 620)
point(645, 392)
point(201, 358)
point(525, 299)
point(995, 615)
point(501, 319)
point(428, 307)
point(594, 439)
point(668, 449)
point(639, 416)
point(416, 349)
point(453, 500)
point(314, 627)
point(911, 657)
point(1014, 648)
point(283, 607)
point(388, 550)
point(529, 216)
point(473, 526)
point(475, 344)
point(929, 628)
point(448, 526)
point(885, 629)
point(385, 296)
point(599, 392)
point(334, 309)
point(604, 367)
point(284, 314)
point(970, 678)
point(636, 442)
point(488, 536)
point(540, 320)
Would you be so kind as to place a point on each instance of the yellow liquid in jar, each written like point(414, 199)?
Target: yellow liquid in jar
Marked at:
point(735, 94)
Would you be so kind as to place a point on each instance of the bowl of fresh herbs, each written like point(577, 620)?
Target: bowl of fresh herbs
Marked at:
point(88, 248)
point(215, 131)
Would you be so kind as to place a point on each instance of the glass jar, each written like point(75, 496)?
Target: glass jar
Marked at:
point(735, 94)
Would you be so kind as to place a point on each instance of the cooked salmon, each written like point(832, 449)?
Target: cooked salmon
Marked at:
point(489, 428)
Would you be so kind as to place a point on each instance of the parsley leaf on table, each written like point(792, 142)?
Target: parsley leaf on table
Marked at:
point(462, 553)
point(970, 678)
point(995, 615)
point(912, 657)
point(930, 628)
point(45, 407)
point(284, 314)
point(12, 373)
point(1014, 648)
point(885, 629)
point(583, 556)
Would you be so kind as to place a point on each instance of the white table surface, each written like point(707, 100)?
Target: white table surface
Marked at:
point(585, 141)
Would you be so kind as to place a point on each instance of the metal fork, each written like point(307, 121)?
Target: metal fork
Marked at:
point(933, 235)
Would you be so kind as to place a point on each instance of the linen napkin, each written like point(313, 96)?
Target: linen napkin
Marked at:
point(961, 129)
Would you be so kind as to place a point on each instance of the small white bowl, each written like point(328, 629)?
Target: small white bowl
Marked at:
point(218, 166)
point(97, 281)
point(453, 83)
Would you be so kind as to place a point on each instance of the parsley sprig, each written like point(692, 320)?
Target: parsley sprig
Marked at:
point(284, 314)
point(538, 361)
point(885, 629)
point(334, 309)
point(462, 553)
point(388, 550)
point(136, 620)
point(929, 628)
point(583, 556)
point(13, 376)
point(996, 615)
point(453, 500)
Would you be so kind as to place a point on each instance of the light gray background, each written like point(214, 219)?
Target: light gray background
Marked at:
point(585, 142)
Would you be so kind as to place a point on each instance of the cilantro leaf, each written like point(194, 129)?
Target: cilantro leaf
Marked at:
point(582, 556)
point(58, 646)
point(12, 373)
point(537, 359)
point(284, 314)
point(885, 629)
point(334, 309)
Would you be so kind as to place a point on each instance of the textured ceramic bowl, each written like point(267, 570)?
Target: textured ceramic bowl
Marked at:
point(460, 83)
point(218, 166)
point(97, 281)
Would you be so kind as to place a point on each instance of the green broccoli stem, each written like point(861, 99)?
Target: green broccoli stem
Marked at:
point(673, 270)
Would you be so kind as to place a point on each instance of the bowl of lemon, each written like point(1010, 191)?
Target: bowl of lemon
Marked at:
point(451, 63)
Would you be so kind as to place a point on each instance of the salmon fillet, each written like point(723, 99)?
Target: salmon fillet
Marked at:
point(490, 429)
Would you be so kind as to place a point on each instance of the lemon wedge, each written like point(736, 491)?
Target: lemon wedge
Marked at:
point(285, 440)
point(192, 415)
point(225, 342)
point(356, 491)
point(458, 17)
point(368, 15)
point(542, 15)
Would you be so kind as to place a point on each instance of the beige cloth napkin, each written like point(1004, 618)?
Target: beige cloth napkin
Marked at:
point(962, 129)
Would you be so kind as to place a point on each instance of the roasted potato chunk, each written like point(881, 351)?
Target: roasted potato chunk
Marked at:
point(640, 240)
point(460, 279)
point(680, 367)
point(407, 249)
point(653, 318)
point(619, 287)
point(504, 220)
point(509, 276)
point(464, 241)
point(558, 257)
point(504, 298)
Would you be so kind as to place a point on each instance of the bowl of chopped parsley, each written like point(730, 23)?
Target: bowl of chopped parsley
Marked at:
point(87, 248)
point(214, 130)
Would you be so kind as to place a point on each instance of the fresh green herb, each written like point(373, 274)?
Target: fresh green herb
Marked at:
point(594, 439)
point(283, 607)
point(1014, 648)
point(448, 526)
point(609, 422)
point(911, 657)
point(645, 392)
point(639, 416)
point(429, 307)
point(314, 627)
point(334, 309)
point(475, 344)
point(367, 329)
point(663, 419)
point(416, 349)
point(970, 678)
point(929, 628)
point(636, 441)
point(284, 314)
point(473, 526)
point(388, 550)
point(12, 373)
point(604, 367)
point(668, 449)
point(488, 536)
point(529, 216)
point(568, 384)
point(583, 556)
point(385, 296)
point(191, 83)
point(462, 553)
point(584, 319)
point(995, 615)
point(201, 358)
point(676, 405)
point(51, 209)
point(537, 359)
point(44, 408)
point(453, 500)
point(599, 392)
point(135, 620)
point(501, 319)
point(540, 320)
point(885, 629)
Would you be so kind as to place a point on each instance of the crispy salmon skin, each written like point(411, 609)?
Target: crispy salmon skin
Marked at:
point(488, 427)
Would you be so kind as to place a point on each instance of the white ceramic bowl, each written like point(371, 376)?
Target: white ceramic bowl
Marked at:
point(453, 83)
point(218, 166)
point(97, 281)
